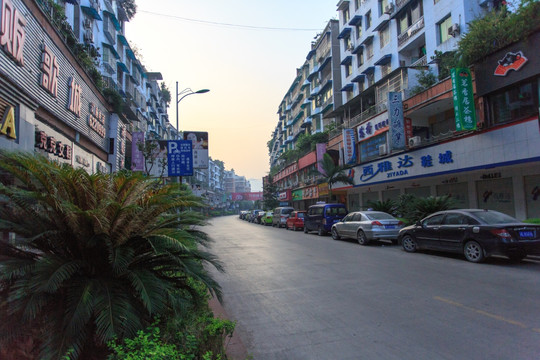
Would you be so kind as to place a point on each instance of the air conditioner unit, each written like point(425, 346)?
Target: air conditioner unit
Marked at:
point(87, 23)
point(389, 9)
point(453, 30)
point(382, 149)
point(414, 141)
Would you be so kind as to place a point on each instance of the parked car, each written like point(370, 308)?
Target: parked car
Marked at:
point(365, 226)
point(243, 214)
point(253, 215)
point(475, 233)
point(321, 217)
point(258, 218)
point(295, 220)
point(280, 215)
point(267, 218)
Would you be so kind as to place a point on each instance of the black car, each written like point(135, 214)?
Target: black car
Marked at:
point(475, 233)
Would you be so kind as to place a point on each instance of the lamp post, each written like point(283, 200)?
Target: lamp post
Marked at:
point(184, 93)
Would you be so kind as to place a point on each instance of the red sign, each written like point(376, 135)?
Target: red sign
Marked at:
point(511, 61)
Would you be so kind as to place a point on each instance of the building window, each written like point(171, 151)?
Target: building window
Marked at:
point(443, 29)
point(516, 103)
point(360, 58)
point(346, 16)
point(368, 19)
point(369, 49)
point(384, 36)
point(347, 43)
point(382, 6)
point(358, 28)
point(370, 79)
point(386, 69)
point(356, 4)
point(348, 69)
point(410, 16)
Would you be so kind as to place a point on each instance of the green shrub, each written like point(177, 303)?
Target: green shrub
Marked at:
point(387, 206)
point(532, 221)
point(426, 206)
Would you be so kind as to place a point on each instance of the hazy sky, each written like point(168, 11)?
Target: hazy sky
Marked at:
point(247, 69)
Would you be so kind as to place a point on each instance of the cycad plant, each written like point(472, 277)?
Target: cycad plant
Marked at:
point(96, 256)
point(388, 206)
point(426, 206)
point(332, 173)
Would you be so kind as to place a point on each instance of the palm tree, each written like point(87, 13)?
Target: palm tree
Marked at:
point(333, 173)
point(96, 256)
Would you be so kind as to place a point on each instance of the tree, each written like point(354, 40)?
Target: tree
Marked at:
point(270, 194)
point(129, 7)
point(153, 156)
point(96, 256)
point(165, 93)
point(332, 173)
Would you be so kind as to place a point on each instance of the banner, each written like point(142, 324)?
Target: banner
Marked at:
point(247, 196)
point(179, 158)
point(349, 147)
point(395, 115)
point(321, 150)
point(199, 141)
point(137, 157)
point(464, 111)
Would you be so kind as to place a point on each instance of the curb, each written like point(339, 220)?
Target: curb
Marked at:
point(234, 347)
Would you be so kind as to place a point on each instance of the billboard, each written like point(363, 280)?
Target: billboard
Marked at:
point(247, 196)
point(137, 157)
point(349, 146)
point(199, 141)
point(397, 125)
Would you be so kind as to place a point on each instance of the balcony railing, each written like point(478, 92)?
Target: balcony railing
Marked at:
point(413, 29)
point(420, 62)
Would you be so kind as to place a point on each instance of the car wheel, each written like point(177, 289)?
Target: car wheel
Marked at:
point(362, 238)
point(320, 231)
point(408, 243)
point(335, 234)
point(473, 252)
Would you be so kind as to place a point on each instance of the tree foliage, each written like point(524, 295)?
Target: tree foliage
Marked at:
point(498, 29)
point(270, 190)
point(96, 256)
point(129, 7)
point(332, 173)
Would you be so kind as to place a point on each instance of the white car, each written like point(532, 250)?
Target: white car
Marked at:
point(365, 226)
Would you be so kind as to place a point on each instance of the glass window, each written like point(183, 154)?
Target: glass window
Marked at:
point(455, 219)
point(433, 220)
point(369, 49)
point(357, 217)
point(346, 16)
point(385, 36)
point(519, 102)
point(494, 217)
point(360, 58)
point(382, 5)
point(443, 29)
point(386, 69)
point(368, 19)
point(358, 28)
point(348, 69)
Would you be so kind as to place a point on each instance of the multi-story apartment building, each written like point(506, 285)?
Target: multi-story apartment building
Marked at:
point(494, 164)
point(314, 92)
point(235, 183)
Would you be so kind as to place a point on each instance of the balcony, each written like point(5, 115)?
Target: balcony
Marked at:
point(420, 62)
point(411, 31)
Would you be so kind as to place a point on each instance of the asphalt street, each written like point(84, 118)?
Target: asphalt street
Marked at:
point(302, 296)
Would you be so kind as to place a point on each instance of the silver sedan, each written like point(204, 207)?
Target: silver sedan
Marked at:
point(365, 226)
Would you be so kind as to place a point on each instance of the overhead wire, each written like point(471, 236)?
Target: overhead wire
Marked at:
point(249, 27)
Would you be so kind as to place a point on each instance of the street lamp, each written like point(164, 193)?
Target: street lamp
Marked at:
point(184, 93)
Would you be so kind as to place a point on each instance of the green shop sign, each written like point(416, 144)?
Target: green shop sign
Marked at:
point(463, 99)
point(297, 195)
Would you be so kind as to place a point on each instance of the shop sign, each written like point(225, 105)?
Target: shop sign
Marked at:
point(321, 150)
point(12, 31)
point(137, 157)
point(349, 147)
point(284, 195)
point(400, 166)
point(452, 180)
point(49, 67)
point(96, 120)
point(311, 192)
point(297, 195)
point(397, 126)
point(324, 190)
point(495, 175)
point(8, 126)
point(50, 145)
point(199, 141)
point(81, 160)
point(74, 101)
point(408, 127)
point(464, 110)
point(510, 61)
point(372, 128)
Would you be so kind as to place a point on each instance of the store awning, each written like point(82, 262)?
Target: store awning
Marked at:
point(113, 19)
point(90, 11)
point(385, 59)
point(122, 39)
point(122, 67)
point(358, 78)
point(131, 54)
point(347, 60)
point(347, 87)
point(367, 40)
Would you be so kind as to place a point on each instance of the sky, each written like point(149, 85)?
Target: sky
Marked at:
point(245, 52)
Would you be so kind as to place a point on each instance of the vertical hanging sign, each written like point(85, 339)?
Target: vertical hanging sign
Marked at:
point(464, 111)
point(180, 158)
point(395, 115)
point(349, 147)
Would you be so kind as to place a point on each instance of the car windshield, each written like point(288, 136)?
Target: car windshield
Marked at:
point(494, 217)
point(300, 215)
point(379, 216)
point(336, 211)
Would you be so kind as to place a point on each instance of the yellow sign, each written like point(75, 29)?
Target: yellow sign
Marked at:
point(8, 123)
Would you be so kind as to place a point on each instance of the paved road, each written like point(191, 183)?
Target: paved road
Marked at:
point(301, 296)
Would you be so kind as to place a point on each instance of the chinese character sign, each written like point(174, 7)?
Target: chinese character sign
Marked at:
point(321, 149)
point(49, 67)
point(395, 116)
point(180, 158)
point(349, 147)
point(464, 111)
point(12, 31)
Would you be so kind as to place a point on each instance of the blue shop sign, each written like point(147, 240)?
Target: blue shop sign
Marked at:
point(180, 158)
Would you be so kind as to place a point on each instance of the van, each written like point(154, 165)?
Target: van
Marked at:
point(281, 214)
point(321, 217)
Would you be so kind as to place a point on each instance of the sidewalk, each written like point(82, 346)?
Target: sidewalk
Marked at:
point(235, 349)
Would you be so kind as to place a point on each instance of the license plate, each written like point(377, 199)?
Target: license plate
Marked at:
point(527, 234)
point(389, 226)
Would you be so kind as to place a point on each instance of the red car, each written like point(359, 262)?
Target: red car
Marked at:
point(295, 220)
